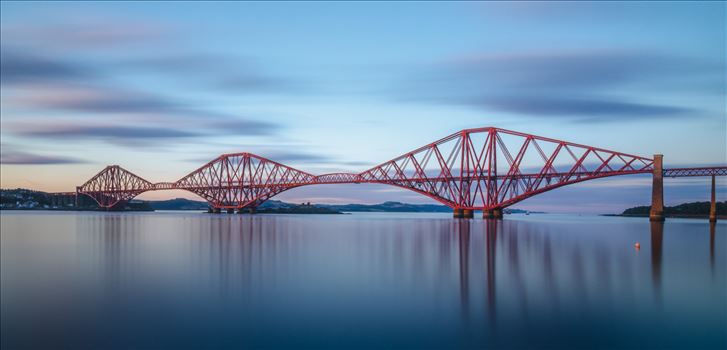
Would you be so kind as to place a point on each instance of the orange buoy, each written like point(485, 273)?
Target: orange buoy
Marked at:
point(637, 245)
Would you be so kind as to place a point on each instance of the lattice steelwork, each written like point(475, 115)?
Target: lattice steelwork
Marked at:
point(112, 185)
point(477, 169)
point(492, 168)
point(240, 180)
point(685, 172)
point(337, 178)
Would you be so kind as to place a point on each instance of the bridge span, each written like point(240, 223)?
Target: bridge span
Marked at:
point(485, 169)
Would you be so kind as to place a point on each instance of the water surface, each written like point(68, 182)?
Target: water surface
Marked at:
point(193, 280)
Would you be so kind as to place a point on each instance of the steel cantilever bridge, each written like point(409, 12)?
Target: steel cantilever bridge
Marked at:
point(474, 169)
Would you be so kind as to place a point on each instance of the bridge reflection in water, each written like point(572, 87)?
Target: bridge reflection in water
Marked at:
point(406, 280)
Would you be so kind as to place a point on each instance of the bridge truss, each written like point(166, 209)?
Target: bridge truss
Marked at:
point(474, 169)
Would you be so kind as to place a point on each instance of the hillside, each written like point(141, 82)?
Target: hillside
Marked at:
point(28, 199)
point(685, 209)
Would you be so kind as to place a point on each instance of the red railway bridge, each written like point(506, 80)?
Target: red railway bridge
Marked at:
point(485, 169)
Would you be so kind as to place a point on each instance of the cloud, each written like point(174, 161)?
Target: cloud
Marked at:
point(119, 116)
point(81, 130)
point(582, 109)
point(19, 67)
point(286, 157)
point(94, 100)
point(130, 136)
point(357, 163)
point(238, 126)
point(220, 72)
point(255, 81)
point(9, 156)
point(88, 32)
point(113, 132)
point(91, 99)
point(28, 56)
point(277, 156)
point(581, 85)
point(35, 84)
point(570, 69)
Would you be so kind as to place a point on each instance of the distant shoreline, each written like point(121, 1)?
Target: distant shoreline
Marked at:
point(692, 210)
point(25, 199)
point(675, 216)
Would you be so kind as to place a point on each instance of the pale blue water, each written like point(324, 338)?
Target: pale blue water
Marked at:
point(193, 280)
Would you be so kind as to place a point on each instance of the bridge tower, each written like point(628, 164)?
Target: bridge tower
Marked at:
point(657, 190)
point(713, 205)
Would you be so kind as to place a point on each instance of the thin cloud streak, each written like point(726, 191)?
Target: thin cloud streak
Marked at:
point(589, 86)
point(81, 131)
point(12, 157)
point(569, 69)
point(214, 71)
point(120, 105)
point(82, 33)
point(19, 67)
point(583, 109)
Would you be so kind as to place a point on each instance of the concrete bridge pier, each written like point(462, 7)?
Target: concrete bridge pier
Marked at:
point(713, 205)
point(492, 214)
point(657, 190)
point(497, 213)
point(457, 213)
point(468, 213)
point(216, 210)
point(230, 211)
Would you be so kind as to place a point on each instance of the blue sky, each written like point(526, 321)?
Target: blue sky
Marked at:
point(160, 88)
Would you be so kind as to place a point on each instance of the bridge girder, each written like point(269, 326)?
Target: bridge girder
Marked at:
point(474, 169)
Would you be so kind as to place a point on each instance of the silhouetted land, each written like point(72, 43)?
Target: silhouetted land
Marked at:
point(306, 208)
point(25, 199)
point(694, 209)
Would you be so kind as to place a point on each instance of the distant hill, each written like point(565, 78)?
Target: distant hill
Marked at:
point(686, 209)
point(276, 206)
point(390, 206)
point(305, 208)
point(387, 207)
point(178, 204)
point(29, 199)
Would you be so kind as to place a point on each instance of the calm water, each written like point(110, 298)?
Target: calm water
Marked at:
point(193, 280)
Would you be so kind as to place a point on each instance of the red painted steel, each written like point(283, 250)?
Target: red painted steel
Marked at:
point(707, 171)
point(114, 184)
point(476, 169)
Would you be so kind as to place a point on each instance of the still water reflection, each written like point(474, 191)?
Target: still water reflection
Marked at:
point(189, 280)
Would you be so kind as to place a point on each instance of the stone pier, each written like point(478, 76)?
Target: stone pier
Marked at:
point(457, 213)
point(497, 213)
point(468, 213)
point(657, 190)
point(713, 205)
point(492, 214)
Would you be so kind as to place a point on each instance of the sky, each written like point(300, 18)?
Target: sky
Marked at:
point(161, 88)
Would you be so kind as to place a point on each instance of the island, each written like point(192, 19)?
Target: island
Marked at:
point(684, 210)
